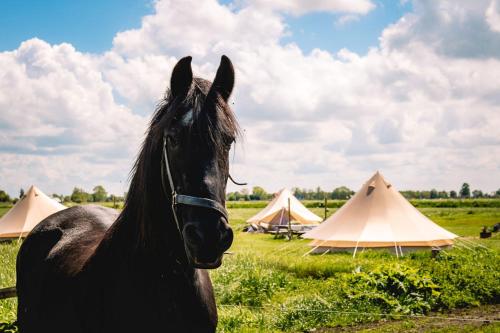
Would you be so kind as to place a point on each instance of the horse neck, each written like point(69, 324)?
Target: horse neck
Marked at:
point(146, 226)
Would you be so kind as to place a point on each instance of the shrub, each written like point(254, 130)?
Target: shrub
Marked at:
point(466, 278)
point(395, 288)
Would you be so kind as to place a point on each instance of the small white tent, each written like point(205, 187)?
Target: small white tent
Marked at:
point(378, 216)
point(276, 212)
point(27, 213)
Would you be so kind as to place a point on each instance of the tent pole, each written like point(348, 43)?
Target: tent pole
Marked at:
point(400, 250)
point(314, 248)
point(289, 221)
point(396, 248)
point(355, 249)
point(326, 210)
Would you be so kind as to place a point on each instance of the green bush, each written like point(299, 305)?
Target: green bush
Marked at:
point(466, 278)
point(394, 289)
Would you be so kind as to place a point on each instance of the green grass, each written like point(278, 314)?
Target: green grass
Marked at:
point(273, 274)
point(267, 285)
point(421, 203)
point(8, 253)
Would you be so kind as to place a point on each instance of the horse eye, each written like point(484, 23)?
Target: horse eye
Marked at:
point(228, 145)
point(172, 140)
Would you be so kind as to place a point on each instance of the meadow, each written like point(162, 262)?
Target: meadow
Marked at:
point(268, 285)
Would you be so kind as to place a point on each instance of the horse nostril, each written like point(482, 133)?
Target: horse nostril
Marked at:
point(226, 233)
point(191, 234)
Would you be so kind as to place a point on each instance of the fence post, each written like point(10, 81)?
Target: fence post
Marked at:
point(8, 292)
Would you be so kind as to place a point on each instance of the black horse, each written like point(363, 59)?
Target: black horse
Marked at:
point(88, 269)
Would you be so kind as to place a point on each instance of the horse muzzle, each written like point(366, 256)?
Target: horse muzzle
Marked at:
point(205, 245)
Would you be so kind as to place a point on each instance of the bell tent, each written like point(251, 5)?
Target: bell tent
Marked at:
point(378, 216)
point(276, 212)
point(27, 213)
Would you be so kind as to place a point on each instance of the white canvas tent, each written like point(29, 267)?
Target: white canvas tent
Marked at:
point(27, 213)
point(378, 216)
point(276, 212)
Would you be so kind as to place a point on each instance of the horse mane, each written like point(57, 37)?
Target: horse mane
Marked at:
point(146, 206)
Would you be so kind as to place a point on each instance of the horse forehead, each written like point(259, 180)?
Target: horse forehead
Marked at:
point(187, 118)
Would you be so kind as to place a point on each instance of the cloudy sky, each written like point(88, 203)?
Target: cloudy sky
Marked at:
point(327, 91)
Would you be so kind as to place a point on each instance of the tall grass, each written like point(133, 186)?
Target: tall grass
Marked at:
point(8, 253)
point(267, 285)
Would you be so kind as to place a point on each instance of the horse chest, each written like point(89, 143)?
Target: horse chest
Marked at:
point(163, 303)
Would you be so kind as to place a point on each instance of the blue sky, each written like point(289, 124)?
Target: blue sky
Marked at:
point(91, 25)
point(88, 25)
point(321, 30)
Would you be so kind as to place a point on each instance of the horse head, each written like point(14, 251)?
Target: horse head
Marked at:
point(198, 130)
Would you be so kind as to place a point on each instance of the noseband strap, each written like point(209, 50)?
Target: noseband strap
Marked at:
point(200, 202)
point(182, 199)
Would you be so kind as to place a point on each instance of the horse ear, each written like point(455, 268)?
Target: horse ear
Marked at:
point(182, 77)
point(224, 79)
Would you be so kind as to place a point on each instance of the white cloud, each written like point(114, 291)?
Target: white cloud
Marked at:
point(423, 107)
point(455, 29)
point(300, 7)
point(199, 28)
point(57, 107)
point(346, 19)
point(493, 15)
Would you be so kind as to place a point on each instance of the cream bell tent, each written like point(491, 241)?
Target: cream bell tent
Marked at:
point(378, 216)
point(276, 212)
point(27, 213)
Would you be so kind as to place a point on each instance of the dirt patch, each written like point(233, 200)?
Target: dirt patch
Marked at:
point(435, 322)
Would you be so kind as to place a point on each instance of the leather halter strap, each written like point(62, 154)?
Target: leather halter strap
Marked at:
point(182, 199)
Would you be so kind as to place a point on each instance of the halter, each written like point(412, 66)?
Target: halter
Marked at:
point(182, 199)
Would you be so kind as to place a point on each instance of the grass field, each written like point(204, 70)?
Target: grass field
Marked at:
point(267, 285)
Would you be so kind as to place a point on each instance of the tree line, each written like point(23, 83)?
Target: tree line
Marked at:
point(79, 195)
point(345, 193)
point(99, 194)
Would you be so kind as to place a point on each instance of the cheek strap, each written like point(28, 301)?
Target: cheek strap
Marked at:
point(182, 199)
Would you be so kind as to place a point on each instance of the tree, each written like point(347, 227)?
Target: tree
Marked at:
point(453, 194)
point(342, 193)
point(258, 193)
point(4, 197)
point(79, 195)
point(99, 194)
point(59, 198)
point(465, 191)
point(477, 194)
point(298, 193)
point(443, 194)
point(433, 194)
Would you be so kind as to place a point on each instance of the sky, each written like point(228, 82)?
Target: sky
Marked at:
point(327, 91)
